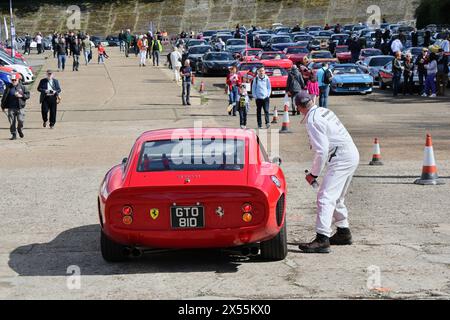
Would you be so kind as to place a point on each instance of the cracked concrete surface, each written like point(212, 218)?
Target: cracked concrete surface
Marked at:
point(50, 179)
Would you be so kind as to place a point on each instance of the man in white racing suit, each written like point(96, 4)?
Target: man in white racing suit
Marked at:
point(333, 146)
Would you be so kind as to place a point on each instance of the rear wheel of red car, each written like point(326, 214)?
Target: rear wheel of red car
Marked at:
point(112, 251)
point(275, 249)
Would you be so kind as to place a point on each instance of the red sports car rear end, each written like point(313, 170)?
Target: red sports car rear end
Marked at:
point(179, 188)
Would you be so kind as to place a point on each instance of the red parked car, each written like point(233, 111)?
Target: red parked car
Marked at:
point(278, 80)
point(296, 54)
point(343, 54)
point(194, 188)
point(275, 59)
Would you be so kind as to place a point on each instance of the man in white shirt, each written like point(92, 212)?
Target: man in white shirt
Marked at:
point(445, 45)
point(396, 46)
point(334, 147)
point(39, 43)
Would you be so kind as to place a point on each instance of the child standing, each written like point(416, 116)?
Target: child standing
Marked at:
point(243, 106)
point(313, 87)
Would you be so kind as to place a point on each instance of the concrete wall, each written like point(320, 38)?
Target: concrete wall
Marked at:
point(105, 17)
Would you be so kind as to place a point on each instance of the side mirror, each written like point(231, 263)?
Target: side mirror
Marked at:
point(277, 160)
point(124, 161)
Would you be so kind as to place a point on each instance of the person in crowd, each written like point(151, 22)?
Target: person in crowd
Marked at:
point(243, 106)
point(427, 39)
point(143, 45)
point(87, 49)
point(128, 40)
point(414, 38)
point(386, 36)
point(313, 88)
point(237, 33)
point(61, 54)
point(337, 28)
point(408, 74)
point(324, 77)
point(156, 51)
point(327, 27)
point(402, 38)
point(445, 45)
point(50, 91)
point(14, 99)
point(149, 41)
point(258, 42)
point(442, 72)
point(175, 58)
point(135, 46)
point(355, 49)
point(186, 76)
point(295, 84)
point(220, 45)
point(420, 62)
point(102, 55)
point(430, 85)
point(76, 52)
point(121, 40)
point(261, 91)
point(296, 28)
point(55, 37)
point(397, 71)
point(27, 48)
point(38, 40)
point(396, 46)
point(233, 82)
point(378, 39)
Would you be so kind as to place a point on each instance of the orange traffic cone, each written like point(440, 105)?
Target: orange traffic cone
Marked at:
point(429, 170)
point(202, 87)
point(275, 115)
point(376, 158)
point(285, 125)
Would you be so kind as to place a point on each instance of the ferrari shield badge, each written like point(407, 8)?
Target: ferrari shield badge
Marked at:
point(220, 212)
point(154, 213)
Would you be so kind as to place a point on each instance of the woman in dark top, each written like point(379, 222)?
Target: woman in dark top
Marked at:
point(408, 75)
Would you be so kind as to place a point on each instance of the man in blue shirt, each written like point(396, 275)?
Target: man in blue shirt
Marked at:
point(323, 87)
point(261, 91)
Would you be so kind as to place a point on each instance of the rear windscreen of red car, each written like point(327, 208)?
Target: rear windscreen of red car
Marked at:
point(192, 155)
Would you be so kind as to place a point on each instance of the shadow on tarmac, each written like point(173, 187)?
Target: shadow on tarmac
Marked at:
point(81, 247)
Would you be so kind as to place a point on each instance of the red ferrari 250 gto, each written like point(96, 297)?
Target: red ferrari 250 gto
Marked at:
point(194, 188)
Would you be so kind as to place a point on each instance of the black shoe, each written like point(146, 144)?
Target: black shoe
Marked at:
point(321, 244)
point(21, 134)
point(342, 237)
point(44, 124)
point(184, 103)
point(188, 103)
point(52, 126)
point(14, 137)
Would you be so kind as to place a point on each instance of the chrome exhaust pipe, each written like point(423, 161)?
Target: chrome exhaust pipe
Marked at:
point(245, 251)
point(254, 251)
point(136, 252)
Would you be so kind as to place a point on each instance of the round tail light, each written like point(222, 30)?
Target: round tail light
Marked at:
point(247, 207)
point(247, 217)
point(127, 220)
point(127, 211)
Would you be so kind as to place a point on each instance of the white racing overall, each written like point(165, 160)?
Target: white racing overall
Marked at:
point(333, 146)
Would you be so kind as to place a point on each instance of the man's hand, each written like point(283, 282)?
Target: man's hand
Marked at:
point(311, 179)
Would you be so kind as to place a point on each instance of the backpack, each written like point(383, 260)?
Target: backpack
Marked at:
point(327, 76)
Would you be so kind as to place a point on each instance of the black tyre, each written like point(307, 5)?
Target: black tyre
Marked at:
point(112, 251)
point(275, 249)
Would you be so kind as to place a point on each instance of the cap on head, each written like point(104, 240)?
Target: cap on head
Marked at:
point(13, 76)
point(49, 71)
point(302, 99)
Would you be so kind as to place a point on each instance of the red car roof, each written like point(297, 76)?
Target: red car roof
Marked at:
point(167, 134)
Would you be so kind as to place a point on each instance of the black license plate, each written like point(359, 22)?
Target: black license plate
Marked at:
point(187, 217)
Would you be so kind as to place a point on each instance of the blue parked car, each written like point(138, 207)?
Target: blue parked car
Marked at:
point(350, 78)
point(5, 77)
